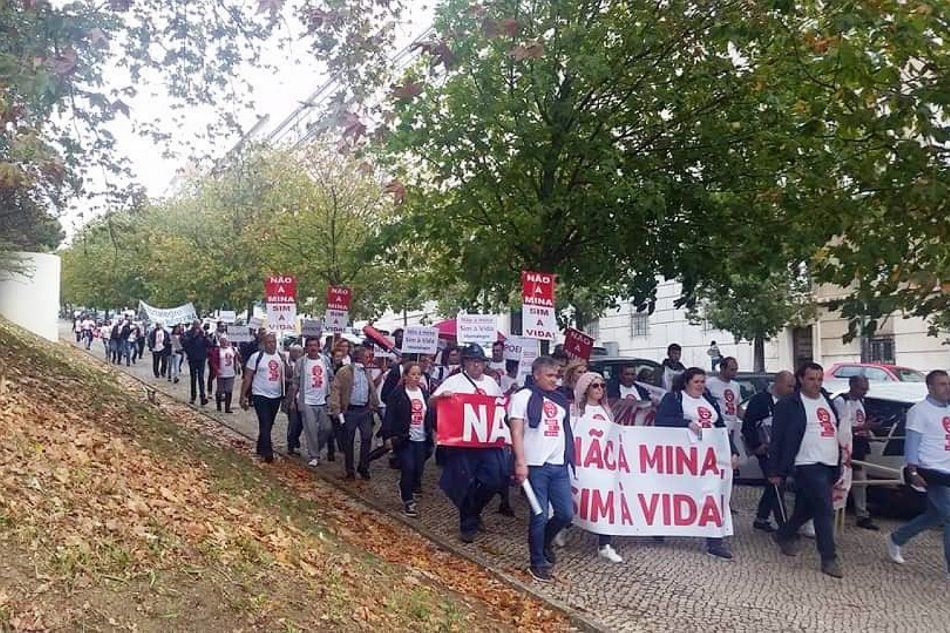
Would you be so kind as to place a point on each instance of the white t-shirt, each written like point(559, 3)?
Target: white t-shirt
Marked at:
point(417, 406)
point(269, 380)
point(851, 412)
point(227, 358)
point(461, 383)
point(699, 410)
point(159, 341)
point(933, 423)
point(498, 367)
point(508, 383)
point(543, 444)
point(820, 442)
point(727, 396)
point(629, 393)
point(314, 381)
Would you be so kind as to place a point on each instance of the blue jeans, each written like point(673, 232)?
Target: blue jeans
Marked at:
point(938, 512)
point(552, 485)
point(412, 461)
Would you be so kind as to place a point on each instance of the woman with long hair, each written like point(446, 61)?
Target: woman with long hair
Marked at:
point(689, 405)
point(407, 430)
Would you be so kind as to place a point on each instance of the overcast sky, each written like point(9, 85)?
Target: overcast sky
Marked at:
point(276, 94)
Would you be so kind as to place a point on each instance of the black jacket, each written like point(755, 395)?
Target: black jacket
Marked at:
point(399, 416)
point(759, 408)
point(196, 345)
point(670, 414)
point(167, 339)
point(613, 390)
point(788, 429)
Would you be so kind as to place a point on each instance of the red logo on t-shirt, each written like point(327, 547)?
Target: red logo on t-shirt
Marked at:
point(946, 428)
point(273, 371)
point(859, 417)
point(824, 420)
point(598, 416)
point(416, 406)
point(730, 397)
point(316, 373)
point(552, 426)
point(705, 417)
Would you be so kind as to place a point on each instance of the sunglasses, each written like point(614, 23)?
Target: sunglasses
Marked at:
point(597, 385)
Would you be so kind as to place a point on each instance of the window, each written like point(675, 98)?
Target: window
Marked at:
point(878, 349)
point(592, 329)
point(874, 374)
point(909, 375)
point(639, 324)
point(847, 371)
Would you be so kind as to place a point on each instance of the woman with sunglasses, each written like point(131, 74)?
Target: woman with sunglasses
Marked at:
point(590, 405)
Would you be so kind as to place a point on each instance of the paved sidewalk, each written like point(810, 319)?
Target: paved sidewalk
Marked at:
point(675, 586)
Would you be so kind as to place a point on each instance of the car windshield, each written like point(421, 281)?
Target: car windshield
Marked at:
point(909, 375)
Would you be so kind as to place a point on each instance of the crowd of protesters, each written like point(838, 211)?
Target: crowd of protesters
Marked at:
point(334, 392)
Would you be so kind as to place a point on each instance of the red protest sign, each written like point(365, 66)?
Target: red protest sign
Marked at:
point(537, 289)
point(338, 298)
point(280, 289)
point(578, 344)
point(471, 420)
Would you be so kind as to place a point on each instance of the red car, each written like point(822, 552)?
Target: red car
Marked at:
point(874, 372)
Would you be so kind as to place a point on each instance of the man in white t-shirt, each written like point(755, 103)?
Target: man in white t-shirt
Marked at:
point(311, 385)
point(265, 376)
point(497, 362)
point(726, 392)
point(927, 456)
point(805, 444)
point(851, 412)
point(542, 443)
point(470, 476)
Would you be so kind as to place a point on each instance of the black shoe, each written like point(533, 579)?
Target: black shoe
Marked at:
point(763, 524)
point(290, 451)
point(789, 547)
point(204, 401)
point(549, 555)
point(505, 510)
point(868, 524)
point(467, 537)
point(720, 552)
point(348, 476)
point(409, 509)
point(268, 459)
point(541, 574)
point(191, 402)
point(176, 381)
point(364, 474)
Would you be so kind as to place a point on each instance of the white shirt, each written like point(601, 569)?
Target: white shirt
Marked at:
point(314, 381)
point(417, 406)
point(226, 361)
point(629, 393)
point(269, 380)
point(820, 442)
point(543, 444)
point(699, 410)
point(850, 411)
point(498, 367)
point(933, 423)
point(461, 383)
point(159, 341)
point(508, 383)
point(727, 396)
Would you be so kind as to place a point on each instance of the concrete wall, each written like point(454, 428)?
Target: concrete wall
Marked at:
point(32, 301)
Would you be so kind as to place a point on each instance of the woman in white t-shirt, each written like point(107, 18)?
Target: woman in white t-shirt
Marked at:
point(590, 407)
point(407, 430)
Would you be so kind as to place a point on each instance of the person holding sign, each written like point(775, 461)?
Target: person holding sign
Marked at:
point(264, 383)
point(471, 477)
point(691, 406)
point(543, 446)
point(407, 431)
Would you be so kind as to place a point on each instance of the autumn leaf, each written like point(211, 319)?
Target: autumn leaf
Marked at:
point(439, 51)
point(407, 90)
point(532, 50)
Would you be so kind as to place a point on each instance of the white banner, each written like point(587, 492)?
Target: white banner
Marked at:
point(184, 314)
point(255, 323)
point(336, 321)
point(420, 339)
point(651, 481)
point(227, 316)
point(282, 317)
point(241, 335)
point(476, 328)
point(539, 322)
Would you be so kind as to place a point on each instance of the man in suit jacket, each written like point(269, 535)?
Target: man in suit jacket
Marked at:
point(353, 397)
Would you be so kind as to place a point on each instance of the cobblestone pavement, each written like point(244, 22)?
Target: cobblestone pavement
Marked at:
point(675, 586)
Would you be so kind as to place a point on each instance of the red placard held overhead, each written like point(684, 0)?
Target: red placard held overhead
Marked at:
point(577, 344)
point(537, 289)
point(338, 298)
point(280, 289)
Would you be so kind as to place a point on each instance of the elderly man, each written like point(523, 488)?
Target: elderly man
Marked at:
point(471, 476)
point(543, 446)
point(757, 433)
point(850, 408)
point(353, 400)
point(265, 382)
point(308, 395)
point(927, 455)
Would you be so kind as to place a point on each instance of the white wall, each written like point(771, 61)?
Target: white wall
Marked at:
point(32, 301)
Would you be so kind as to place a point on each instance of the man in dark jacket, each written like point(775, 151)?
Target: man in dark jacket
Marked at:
point(805, 445)
point(757, 434)
point(196, 344)
point(159, 343)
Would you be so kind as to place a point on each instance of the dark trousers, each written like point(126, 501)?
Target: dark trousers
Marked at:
point(357, 419)
point(159, 364)
point(551, 484)
point(813, 484)
point(197, 370)
point(412, 461)
point(294, 429)
point(769, 503)
point(335, 440)
point(266, 410)
point(470, 510)
point(210, 382)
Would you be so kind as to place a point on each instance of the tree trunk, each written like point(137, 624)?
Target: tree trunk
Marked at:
point(758, 354)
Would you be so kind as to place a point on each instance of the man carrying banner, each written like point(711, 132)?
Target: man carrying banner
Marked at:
point(850, 407)
point(543, 446)
point(805, 445)
point(471, 476)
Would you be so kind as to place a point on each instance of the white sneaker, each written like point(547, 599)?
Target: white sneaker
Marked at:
point(808, 530)
point(894, 551)
point(608, 552)
point(313, 463)
point(559, 539)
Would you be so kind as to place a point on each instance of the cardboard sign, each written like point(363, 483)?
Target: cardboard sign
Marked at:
point(650, 481)
point(420, 339)
point(515, 346)
point(338, 298)
point(472, 421)
point(282, 317)
point(241, 336)
point(311, 328)
point(476, 328)
point(280, 289)
point(577, 344)
point(336, 321)
point(255, 323)
point(227, 316)
point(537, 296)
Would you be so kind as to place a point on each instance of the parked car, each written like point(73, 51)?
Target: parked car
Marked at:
point(751, 383)
point(648, 371)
